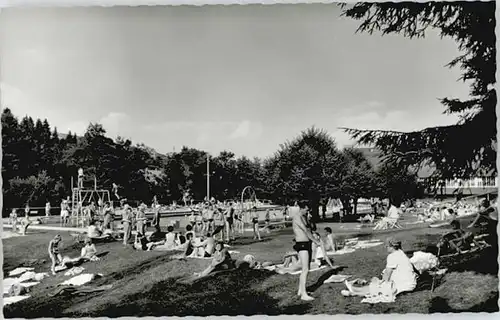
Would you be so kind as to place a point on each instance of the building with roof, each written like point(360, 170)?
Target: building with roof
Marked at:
point(473, 186)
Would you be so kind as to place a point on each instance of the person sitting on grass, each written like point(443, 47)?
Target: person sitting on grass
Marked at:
point(329, 240)
point(221, 261)
point(167, 244)
point(54, 254)
point(319, 251)
point(188, 246)
point(157, 235)
point(398, 276)
point(140, 242)
point(93, 231)
point(89, 252)
point(206, 247)
point(189, 229)
point(13, 220)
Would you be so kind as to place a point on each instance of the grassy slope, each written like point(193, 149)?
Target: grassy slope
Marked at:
point(146, 283)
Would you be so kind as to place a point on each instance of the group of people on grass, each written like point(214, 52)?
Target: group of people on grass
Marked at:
point(88, 253)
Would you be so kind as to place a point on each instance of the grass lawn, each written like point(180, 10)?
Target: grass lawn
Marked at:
point(147, 283)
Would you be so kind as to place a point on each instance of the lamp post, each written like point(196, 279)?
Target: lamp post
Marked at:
point(208, 177)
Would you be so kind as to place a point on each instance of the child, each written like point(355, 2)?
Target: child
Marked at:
point(54, 254)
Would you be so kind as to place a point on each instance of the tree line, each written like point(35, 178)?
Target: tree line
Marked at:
point(38, 163)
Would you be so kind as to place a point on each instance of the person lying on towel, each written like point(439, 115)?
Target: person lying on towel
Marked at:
point(398, 276)
point(221, 261)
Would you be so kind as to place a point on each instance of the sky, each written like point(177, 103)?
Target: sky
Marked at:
point(238, 78)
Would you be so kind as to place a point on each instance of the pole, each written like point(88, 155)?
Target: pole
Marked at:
point(208, 177)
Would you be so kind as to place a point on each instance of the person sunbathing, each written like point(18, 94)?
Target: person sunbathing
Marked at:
point(140, 242)
point(54, 254)
point(398, 276)
point(157, 235)
point(456, 240)
point(169, 243)
point(188, 246)
point(329, 240)
point(221, 261)
point(206, 247)
point(319, 251)
point(89, 252)
point(93, 231)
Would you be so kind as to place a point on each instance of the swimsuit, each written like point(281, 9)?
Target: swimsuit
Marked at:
point(304, 246)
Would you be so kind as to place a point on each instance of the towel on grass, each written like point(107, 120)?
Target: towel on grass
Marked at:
point(337, 278)
point(18, 271)
point(80, 279)
point(310, 270)
point(364, 245)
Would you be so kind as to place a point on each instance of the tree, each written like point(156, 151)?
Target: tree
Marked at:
point(308, 168)
point(468, 147)
point(396, 183)
point(357, 179)
point(33, 189)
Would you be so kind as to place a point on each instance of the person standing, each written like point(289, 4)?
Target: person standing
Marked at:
point(255, 223)
point(127, 224)
point(108, 216)
point(229, 217)
point(268, 221)
point(64, 213)
point(80, 178)
point(25, 222)
point(141, 221)
point(47, 209)
point(13, 220)
point(54, 254)
point(304, 239)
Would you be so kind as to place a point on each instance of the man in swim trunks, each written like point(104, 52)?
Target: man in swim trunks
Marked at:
point(303, 245)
